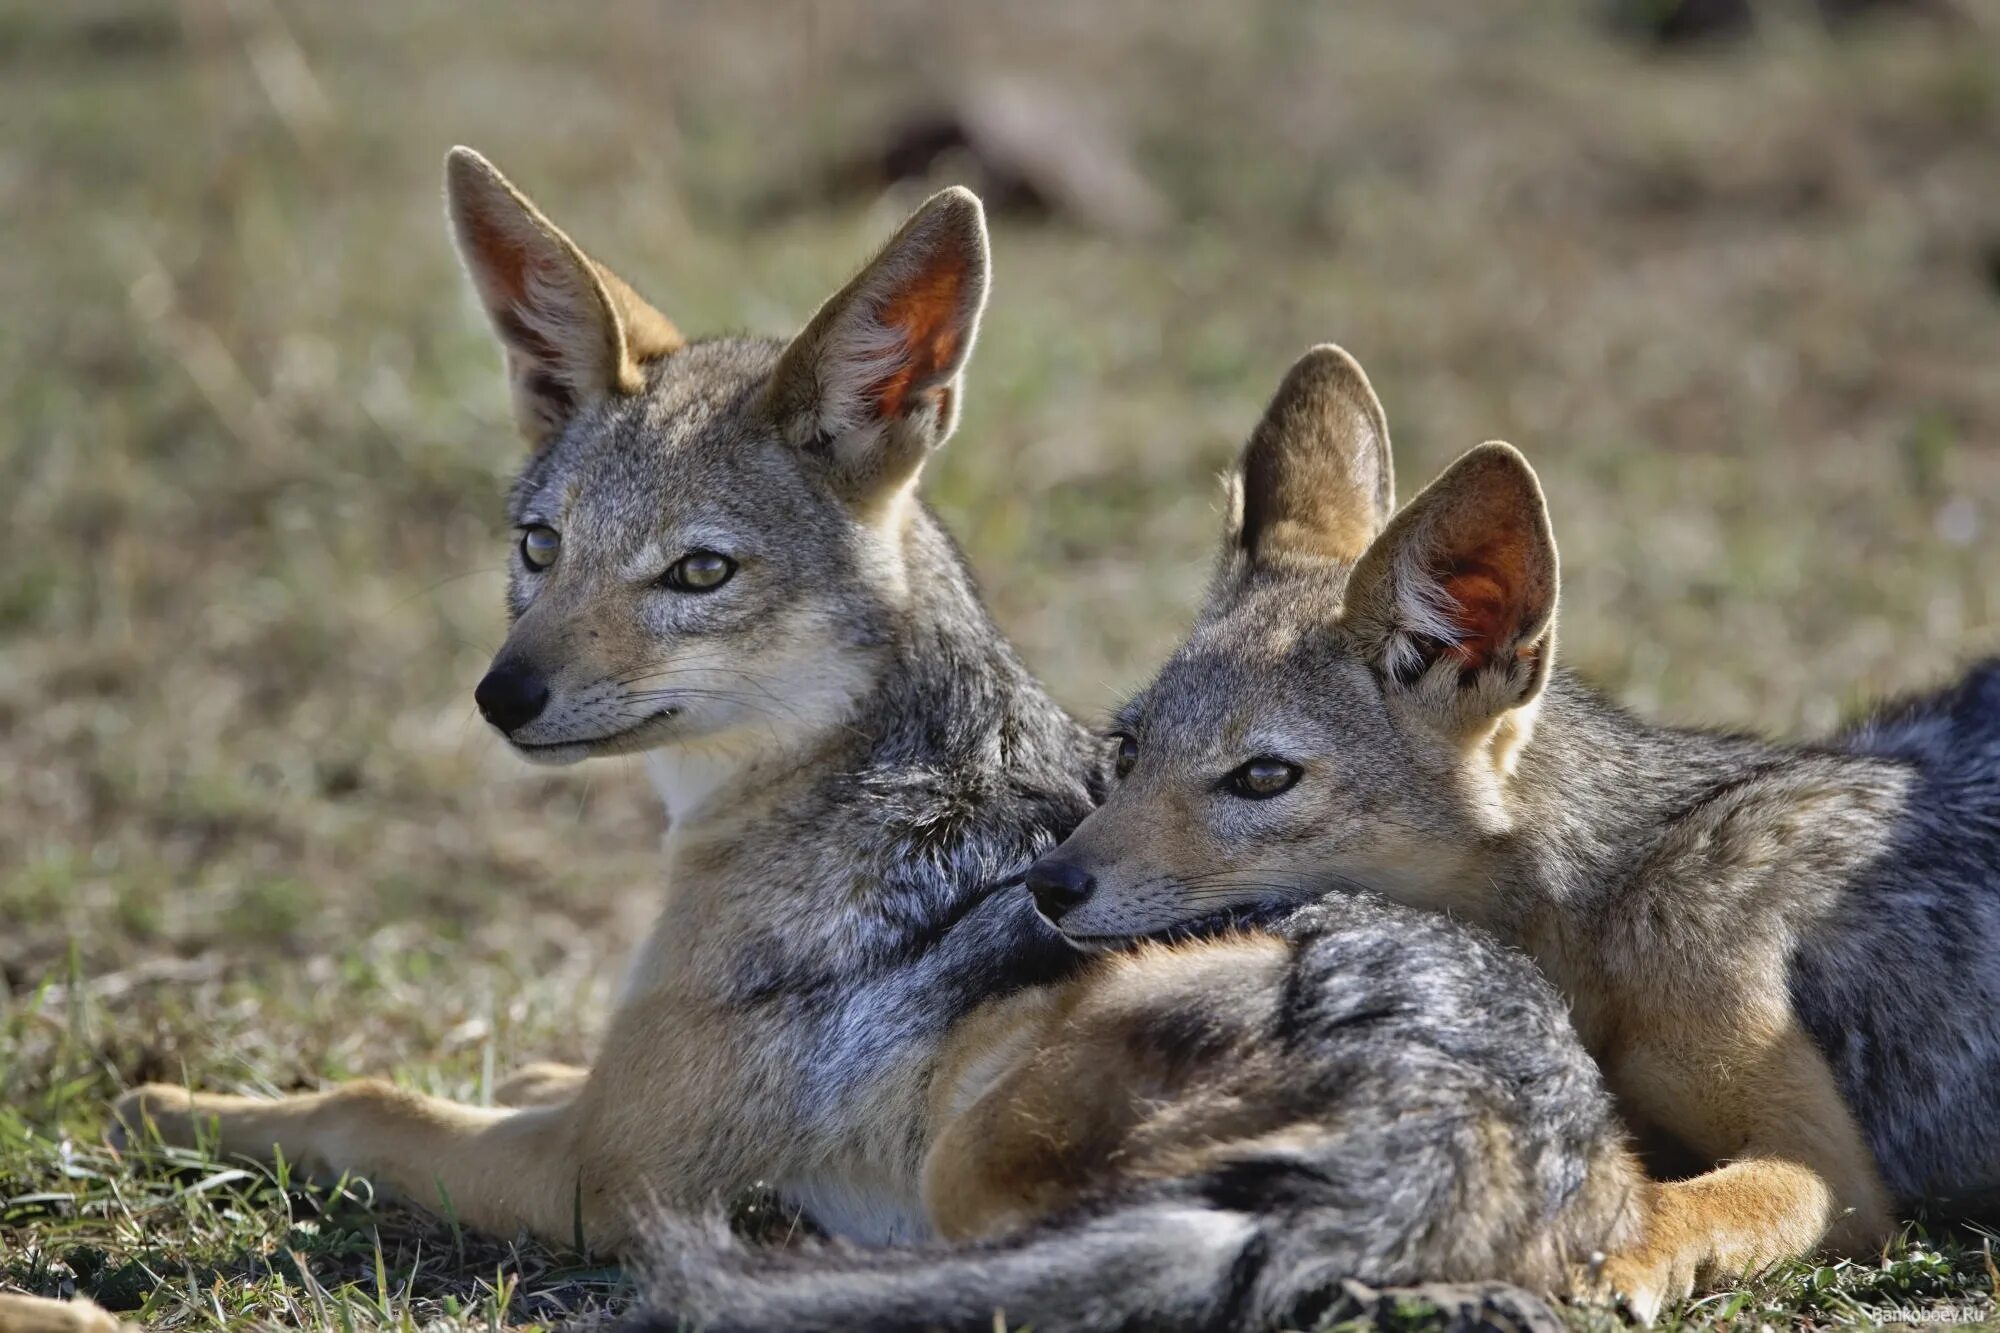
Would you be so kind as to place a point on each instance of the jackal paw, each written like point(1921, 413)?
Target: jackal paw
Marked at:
point(1642, 1284)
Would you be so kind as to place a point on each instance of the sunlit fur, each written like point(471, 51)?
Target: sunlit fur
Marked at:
point(854, 762)
point(848, 994)
point(1785, 957)
point(1217, 1132)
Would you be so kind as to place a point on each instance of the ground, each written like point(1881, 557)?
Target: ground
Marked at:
point(1739, 303)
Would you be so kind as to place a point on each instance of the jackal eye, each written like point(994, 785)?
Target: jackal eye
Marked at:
point(698, 571)
point(539, 546)
point(1261, 778)
point(1128, 753)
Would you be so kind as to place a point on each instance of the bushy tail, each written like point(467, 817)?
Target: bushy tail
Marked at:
point(1158, 1264)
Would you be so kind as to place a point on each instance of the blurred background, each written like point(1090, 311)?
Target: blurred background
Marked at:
point(1728, 273)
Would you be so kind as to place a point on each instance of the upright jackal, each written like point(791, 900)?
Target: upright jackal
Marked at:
point(1785, 957)
point(720, 561)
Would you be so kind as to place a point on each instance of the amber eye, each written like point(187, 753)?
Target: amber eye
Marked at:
point(1128, 754)
point(1261, 778)
point(699, 571)
point(539, 546)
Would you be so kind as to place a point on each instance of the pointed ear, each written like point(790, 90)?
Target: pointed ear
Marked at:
point(1457, 599)
point(1316, 483)
point(572, 330)
point(873, 382)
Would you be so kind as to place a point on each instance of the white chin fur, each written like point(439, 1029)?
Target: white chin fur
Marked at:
point(686, 775)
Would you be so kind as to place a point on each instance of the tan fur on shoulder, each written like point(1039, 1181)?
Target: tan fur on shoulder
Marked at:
point(1084, 1099)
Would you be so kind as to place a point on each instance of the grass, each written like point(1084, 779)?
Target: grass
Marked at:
point(1737, 304)
point(183, 1239)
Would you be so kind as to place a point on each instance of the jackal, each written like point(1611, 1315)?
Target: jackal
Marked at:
point(720, 561)
point(1785, 958)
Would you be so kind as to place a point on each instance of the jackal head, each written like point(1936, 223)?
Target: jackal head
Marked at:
point(709, 534)
point(1349, 706)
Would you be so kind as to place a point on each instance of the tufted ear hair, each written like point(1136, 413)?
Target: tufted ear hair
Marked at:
point(872, 384)
point(1456, 600)
point(572, 330)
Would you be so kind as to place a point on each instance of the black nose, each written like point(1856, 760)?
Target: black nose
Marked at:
point(511, 697)
point(1059, 887)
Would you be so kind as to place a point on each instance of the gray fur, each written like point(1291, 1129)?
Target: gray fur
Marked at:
point(1883, 845)
point(1398, 1045)
point(854, 761)
point(1891, 891)
point(899, 837)
point(857, 767)
point(1902, 988)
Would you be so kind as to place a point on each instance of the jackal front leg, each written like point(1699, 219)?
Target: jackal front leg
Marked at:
point(496, 1170)
point(1796, 1170)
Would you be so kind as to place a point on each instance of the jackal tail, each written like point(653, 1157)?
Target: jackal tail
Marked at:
point(1168, 1261)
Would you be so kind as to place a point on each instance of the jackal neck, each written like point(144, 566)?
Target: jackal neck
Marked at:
point(877, 848)
point(1596, 787)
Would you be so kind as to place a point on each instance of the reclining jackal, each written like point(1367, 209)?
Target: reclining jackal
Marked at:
point(1786, 958)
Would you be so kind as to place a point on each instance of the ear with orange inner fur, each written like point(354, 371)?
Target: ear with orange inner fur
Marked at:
point(872, 384)
point(573, 331)
point(1459, 593)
